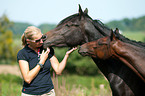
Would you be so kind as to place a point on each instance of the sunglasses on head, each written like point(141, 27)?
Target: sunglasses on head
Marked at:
point(38, 40)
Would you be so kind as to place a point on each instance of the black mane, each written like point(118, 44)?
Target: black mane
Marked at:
point(77, 15)
point(67, 19)
point(127, 40)
point(102, 29)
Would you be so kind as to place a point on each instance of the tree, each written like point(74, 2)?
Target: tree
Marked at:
point(6, 50)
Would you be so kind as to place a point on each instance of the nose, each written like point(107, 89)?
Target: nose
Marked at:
point(41, 41)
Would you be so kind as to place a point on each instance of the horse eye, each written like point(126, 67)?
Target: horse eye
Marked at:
point(76, 25)
point(95, 47)
point(67, 25)
point(44, 37)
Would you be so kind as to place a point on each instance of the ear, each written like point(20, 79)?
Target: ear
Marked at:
point(80, 10)
point(112, 36)
point(86, 11)
point(116, 31)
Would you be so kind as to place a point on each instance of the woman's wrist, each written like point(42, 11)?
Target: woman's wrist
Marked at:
point(41, 62)
point(41, 65)
point(67, 54)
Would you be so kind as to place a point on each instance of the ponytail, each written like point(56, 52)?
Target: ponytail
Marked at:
point(24, 42)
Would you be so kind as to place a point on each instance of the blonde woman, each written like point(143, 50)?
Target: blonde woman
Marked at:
point(35, 64)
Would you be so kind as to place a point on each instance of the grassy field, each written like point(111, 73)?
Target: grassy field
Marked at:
point(65, 85)
point(88, 84)
point(138, 36)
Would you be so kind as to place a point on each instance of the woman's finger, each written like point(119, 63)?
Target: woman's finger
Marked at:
point(42, 51)
point(47, 51)
point(74, 48)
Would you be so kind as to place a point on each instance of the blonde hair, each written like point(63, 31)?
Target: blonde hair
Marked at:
point(29, 33)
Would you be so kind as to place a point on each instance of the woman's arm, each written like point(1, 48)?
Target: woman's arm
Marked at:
point(29, 75)
point(59, 67)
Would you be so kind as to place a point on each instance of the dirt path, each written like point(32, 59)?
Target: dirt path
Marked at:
point(10, 69)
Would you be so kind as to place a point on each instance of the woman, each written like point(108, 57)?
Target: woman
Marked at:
point(35, 64)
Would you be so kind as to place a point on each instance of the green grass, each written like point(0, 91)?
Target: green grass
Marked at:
point(138, 36)
point(84, 81)
point(10, 85)
point(75, 85)
point(89, 84)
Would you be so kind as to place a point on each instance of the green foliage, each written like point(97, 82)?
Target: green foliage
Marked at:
point(135, 24)
point(46, 27)
point(19, 28)
point(6, 40)
point(77, 64)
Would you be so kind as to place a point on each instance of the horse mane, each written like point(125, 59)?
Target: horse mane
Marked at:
point(72, 16)
point(101, 27)
point(100, 23)
point(127, 40)
point(67, 19)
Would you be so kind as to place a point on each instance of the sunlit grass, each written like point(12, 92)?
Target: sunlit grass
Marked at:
point(138, 36)
point(10, 85)
point(81, 85)
point(65, 85)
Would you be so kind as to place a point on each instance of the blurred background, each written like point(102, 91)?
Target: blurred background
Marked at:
point(81, 76)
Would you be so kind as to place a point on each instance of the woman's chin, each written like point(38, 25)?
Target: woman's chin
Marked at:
point(39, 45)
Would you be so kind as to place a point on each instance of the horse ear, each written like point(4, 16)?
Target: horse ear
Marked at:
point(112, 37)
point(86, 11)
point(80, 10)
point(116, 31)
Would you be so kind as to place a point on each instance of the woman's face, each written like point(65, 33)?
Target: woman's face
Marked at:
point(37, 42)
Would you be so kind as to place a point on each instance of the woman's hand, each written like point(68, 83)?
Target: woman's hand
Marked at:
point(70, 51)
point(44, 56)
point(59, 67)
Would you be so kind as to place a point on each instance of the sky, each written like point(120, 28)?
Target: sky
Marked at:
point(37, 12)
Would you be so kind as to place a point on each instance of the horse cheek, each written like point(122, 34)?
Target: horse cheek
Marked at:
point(74, 38)
point(100, 54)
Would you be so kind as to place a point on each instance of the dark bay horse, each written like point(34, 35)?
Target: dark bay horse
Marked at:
point(111, 47)
point(80, 28)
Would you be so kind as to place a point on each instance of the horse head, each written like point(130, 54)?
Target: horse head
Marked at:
point(101, 48)
point(74, 30)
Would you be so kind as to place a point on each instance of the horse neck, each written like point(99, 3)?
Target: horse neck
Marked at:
point(128, 51)
point(102, 29)
point(132, 56)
